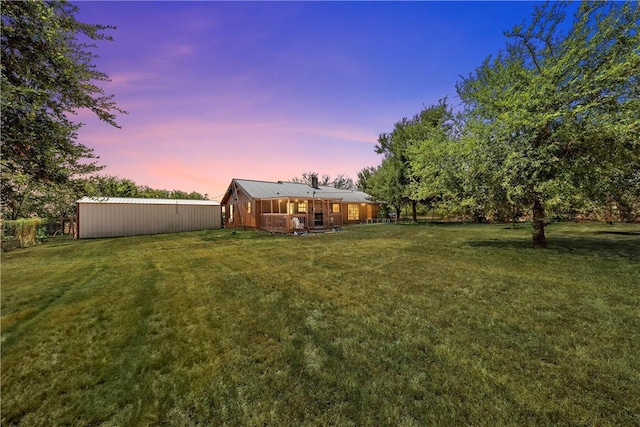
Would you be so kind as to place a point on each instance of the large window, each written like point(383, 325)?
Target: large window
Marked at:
point(353, 212)
point(335, 207)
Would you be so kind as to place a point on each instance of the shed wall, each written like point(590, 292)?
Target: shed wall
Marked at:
point(114, 220)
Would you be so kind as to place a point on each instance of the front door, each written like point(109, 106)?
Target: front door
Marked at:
point(317, 214)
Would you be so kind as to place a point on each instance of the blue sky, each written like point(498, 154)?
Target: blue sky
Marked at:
point(268, 90)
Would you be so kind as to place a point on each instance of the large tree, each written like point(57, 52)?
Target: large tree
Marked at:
point(562, 104)
point(433, 157)
point(401, 145)
point(48, 75)
point(385, 183)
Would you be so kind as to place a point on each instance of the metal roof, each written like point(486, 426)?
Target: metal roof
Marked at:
point(140, 201)
point(270, 190)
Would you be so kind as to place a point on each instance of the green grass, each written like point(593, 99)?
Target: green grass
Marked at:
point(375, 325)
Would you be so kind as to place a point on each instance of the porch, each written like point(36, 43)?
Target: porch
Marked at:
point(287, 223)
point(288, 215)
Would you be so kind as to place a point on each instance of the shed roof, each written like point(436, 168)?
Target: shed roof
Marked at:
point(140, 201)
point(269, 190)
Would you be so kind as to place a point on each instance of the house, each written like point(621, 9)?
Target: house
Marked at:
point(291, 206)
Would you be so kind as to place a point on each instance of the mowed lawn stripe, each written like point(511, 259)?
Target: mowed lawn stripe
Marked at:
point(410, 325)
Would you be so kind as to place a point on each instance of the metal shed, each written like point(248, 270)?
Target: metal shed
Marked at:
point(121, 216)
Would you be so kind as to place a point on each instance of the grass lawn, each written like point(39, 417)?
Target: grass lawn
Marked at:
point(376, 325)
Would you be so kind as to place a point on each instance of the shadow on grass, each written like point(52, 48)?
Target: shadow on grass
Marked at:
point(591, 246)
point(620, 233)
point(234, 234)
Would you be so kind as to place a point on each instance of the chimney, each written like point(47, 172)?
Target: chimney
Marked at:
point(314, 181)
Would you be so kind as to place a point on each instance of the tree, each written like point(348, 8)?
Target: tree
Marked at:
point(406, 140)
point(385, 183)
point(363, 178)
point(110, 186)
point(562, 107)
point(306, 178)
point(433, 157)
point(396, 173)
point(341, 181)
point(47, 75)
point(474, 176)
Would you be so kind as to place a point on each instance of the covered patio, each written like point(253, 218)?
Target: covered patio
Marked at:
point(288, 214)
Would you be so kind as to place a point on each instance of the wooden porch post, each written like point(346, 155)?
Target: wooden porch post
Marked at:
point(326, 214)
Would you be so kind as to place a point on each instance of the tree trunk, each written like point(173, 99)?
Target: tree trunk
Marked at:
point(539, 240)
point(608, 213)
point(414, 209)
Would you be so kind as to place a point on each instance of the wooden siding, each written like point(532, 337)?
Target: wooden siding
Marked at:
point(113, 220)
point(240, 216)
point(278, 214)
point(366, 211)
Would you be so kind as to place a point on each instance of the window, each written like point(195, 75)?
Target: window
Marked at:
point(336, 207)
point(248, 208)
point(230, 213)
point(302, 207)
point(353, 212)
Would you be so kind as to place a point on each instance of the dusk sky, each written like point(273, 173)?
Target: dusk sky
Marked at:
point(269, 90)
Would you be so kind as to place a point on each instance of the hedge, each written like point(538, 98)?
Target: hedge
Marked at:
point(25, 230)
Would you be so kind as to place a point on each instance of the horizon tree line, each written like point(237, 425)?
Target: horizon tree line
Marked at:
point(550, 125)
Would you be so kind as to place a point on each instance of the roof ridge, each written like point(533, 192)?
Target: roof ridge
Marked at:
point(254, 180)
point(281, 181)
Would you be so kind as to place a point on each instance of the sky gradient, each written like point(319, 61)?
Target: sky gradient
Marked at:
point(269, 90)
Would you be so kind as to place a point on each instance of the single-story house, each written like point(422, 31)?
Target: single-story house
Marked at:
point(124, 216)
point(292, 206)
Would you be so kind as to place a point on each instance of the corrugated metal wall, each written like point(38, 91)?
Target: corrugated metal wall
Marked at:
point(113, 220)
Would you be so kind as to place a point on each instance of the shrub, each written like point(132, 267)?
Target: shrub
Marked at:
point(25, 230)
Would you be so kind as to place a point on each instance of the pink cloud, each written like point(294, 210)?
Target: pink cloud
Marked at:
point(196, 155)
point(359, 135)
